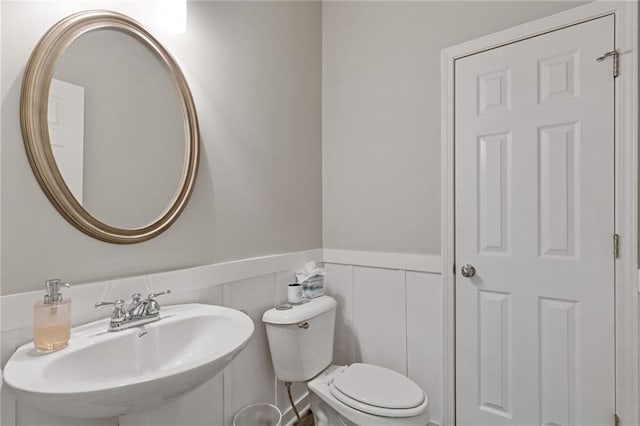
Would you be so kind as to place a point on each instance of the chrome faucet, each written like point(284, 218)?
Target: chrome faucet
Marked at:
point(135, 313)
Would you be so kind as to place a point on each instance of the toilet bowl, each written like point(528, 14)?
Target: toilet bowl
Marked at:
point(393, 403)
point(301, 344)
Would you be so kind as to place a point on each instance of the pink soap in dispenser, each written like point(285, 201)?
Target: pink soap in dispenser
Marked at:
point(52, 318)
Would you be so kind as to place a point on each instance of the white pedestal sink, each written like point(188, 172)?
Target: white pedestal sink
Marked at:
point(104, 374)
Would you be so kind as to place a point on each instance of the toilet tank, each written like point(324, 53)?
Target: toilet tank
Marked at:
point(301, 338)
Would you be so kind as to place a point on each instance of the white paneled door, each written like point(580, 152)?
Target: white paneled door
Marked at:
point(534, 161)
point(66, 132)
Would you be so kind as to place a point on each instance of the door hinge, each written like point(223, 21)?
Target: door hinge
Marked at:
point(616, 60)
point(616, 420)
point(454, 269)
point(616, 246)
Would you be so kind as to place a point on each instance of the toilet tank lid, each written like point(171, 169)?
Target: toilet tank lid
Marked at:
point(302, 312)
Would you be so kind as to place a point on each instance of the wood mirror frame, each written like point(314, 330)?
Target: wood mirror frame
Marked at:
point(35, 131)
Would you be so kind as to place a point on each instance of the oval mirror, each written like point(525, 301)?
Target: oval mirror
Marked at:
point(109, 127)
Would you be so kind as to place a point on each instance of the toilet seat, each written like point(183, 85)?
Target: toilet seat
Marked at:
point(378, 391)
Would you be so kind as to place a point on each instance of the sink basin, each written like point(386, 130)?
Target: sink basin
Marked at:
point(109, 374)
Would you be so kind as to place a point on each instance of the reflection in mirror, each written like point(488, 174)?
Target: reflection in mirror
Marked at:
point(116, 128)
point(66, 132)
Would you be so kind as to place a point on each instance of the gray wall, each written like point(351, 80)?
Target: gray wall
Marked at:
point(268, 78)
point(255, 73)
point(381, 114)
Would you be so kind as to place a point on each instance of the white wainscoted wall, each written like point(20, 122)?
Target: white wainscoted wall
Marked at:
point(390, 316)
point(387, 316)
point(252, 285)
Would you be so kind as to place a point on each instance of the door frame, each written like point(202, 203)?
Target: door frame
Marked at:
point(627, 286)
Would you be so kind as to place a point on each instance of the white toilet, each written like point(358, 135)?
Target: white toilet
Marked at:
point(301, 343)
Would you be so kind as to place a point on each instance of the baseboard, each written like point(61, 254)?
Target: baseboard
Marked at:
point(406, 261)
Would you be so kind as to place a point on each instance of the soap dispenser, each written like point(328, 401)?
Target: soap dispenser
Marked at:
point(52, 318)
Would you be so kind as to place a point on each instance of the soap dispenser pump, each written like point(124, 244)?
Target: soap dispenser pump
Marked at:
point(52, 318)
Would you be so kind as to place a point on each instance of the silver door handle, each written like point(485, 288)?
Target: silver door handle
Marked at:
point(468, 271)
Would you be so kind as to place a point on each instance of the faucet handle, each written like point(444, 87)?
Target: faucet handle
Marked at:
point(153, 307)
point(118, 314)
point(154, 295)
point(117, 304)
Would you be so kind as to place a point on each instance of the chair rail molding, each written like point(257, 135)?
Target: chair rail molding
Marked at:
point(407, 261)
point(17, 308)
point(626, 191)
